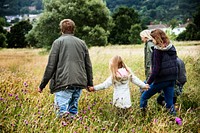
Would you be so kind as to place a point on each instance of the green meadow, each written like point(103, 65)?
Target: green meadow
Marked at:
point(24, 110)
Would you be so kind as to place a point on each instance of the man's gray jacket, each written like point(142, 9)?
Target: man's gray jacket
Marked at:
point(68, 64)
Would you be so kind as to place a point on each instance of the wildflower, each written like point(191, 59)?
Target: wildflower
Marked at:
point(178, 121)
point(25, 84)
point(1, 99)
point(80, 118)
point(10, 94)
point(155, 120)
point(26, 122)
point(133, 130)
point(16, 97)
point(103, 128)
point(64, 123)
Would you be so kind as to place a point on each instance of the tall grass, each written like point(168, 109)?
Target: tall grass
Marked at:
point(23, 109)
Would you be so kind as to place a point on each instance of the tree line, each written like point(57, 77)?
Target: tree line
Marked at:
point(154, 11)
point(95, 24)
point(16, 7)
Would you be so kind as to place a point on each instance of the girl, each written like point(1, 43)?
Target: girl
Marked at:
point(120, 77)
point(164, 71)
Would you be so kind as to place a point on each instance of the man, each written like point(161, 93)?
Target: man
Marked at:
point(69, 68)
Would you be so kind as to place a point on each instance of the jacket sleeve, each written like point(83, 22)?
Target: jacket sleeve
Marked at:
point(88, 66)
point(157, 57)
point(149, 53)
point(107, 83)
point(137, 81)
point(51, 65)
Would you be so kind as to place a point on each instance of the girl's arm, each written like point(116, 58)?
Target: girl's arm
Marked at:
point(107, 83)
point(137, 81)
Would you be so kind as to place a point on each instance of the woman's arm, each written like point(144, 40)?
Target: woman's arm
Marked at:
point(157, 59)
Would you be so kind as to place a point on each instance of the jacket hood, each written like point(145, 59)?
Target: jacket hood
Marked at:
point(165, 48)
point(171, 50)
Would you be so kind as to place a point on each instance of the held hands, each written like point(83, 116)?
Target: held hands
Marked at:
point(90, 88)
point(39, 90)
point(146, 87)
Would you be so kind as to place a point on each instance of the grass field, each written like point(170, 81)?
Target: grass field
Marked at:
point(23, 109)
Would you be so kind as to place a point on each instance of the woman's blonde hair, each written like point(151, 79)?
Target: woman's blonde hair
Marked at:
point(160, 37)
point(146, 34)
point(67, 26)
point(115, 63)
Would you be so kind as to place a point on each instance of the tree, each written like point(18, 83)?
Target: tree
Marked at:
point(89, 15)
point(16, 37)
point(134, 37)
point(2, 40)
point(192, 30)
point(173, 23)
point(123, 18)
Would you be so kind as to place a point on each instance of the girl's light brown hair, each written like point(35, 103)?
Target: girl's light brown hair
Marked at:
point(160, 37)
point(67, 26)
point(115, 63)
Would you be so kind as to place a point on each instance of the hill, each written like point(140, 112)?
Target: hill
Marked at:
point(159, 10)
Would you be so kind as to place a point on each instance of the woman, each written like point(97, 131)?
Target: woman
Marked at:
point(164, 71)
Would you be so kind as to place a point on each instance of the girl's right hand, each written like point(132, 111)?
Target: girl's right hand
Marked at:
point(146, 87)
point(90, 88)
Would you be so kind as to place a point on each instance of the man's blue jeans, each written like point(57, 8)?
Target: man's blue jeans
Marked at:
point(168, 89)
point(66, 101)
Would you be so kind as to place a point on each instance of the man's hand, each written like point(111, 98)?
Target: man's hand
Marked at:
point(39, 90)
point(90, 88)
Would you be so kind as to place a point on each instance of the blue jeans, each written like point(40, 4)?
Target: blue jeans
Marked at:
point(168, 89)
point(66, 101)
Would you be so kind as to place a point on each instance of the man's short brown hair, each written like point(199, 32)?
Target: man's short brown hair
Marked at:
point(67, 26)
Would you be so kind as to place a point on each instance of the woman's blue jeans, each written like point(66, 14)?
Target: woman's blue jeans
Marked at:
point(168, 89)
point(66, 101)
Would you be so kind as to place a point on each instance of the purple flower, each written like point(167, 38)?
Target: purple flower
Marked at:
point(25, 84)
point(178, 121)
point(10, 94)
point(155, 120)
point(133, 130)
point(26, 122)
point(1, 99)
point(16, 97)
point(64, 123)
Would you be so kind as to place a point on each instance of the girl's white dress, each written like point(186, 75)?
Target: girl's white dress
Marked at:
point(121, 95)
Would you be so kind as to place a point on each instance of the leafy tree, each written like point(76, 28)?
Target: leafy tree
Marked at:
point(2, 32)
point(173, 23)
point(97, 36)
point(192, 30)
point(91, 14)
point(124, 17)
point(2, 40)
point(3, 22)
point(134, 37)
point(16, 37)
